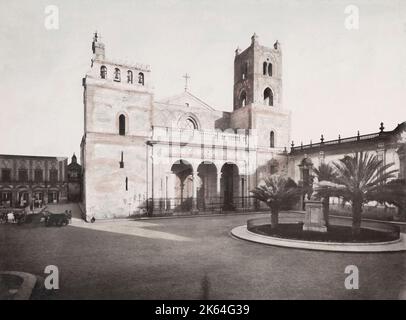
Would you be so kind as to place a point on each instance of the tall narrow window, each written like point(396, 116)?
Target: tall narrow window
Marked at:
point(141, 78)
point(264, 66)
point(272, 139)
point(103, 72)
point(38, 176)
point(121, 125)
point(243, 99)
point(126, 183)
point(129, 76)
point(53, 175)
point(268, 97)
point(117, 75)
point(22, 175)
point(5, 175)
point(122, 160)
point(244, 70)
point(269, 69)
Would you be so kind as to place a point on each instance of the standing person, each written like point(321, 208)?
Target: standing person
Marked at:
point(10, 217)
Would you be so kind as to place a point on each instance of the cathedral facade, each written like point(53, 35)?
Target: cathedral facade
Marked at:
point(178, 154)
point(157, 157)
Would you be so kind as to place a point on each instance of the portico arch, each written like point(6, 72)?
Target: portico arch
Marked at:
point(183, 185)
point(230, 185)
point(207, 189)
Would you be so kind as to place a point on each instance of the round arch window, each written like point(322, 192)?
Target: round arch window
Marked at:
point(189, 123)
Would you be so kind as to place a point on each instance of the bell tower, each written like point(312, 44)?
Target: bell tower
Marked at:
point(258, 75)
point(257, 93)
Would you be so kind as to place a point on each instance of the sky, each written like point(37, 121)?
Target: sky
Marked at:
point(336, 80)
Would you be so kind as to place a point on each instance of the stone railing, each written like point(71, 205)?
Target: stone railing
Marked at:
point(354, 139)
point(198, 137)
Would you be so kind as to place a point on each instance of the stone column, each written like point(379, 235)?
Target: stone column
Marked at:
point(194, 194)
point(321, 157)
point(13, 200)
point(243, 182)
point(381, 152)
point(31, 199)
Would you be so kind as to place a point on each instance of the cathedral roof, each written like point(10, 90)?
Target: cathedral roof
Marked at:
point(186, 99)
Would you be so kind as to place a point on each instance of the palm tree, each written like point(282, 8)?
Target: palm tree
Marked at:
point(359, 178)
point(393, 192)
point(278, 192)
point(325, 172)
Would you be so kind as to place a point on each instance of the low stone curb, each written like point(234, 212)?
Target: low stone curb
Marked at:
point(25, 290)
point(177, 217)
point(243, 233)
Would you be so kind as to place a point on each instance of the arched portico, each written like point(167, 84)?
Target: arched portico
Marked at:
point(183, 185)
point(194, 185)
point(230, 185)
point(207, 189)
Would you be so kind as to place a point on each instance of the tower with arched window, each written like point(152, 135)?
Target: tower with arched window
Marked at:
point(258, 94)
point(142, 155)
point(258, 74)
point(118, 105)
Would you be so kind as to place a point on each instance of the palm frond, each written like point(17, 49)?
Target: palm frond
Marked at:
point(277, 191)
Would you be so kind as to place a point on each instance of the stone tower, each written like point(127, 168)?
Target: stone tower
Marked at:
point(258, 94)
point(118, 104)
point(256, 68)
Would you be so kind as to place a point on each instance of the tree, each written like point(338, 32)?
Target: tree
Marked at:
point(325, 172)
point(359, 178)
point(393, 192)
point(278, 192)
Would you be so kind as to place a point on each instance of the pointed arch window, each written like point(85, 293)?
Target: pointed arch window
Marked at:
point(129, 76)
point(117, 75)
point(121, 125)
point(264, 68)
point(103, 72)
point(141, 78)
point(244, 70)
point(268, 97)
point(243, 99)
point(272, 139)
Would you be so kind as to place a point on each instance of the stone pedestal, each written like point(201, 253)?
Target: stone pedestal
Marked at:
point(314, 218)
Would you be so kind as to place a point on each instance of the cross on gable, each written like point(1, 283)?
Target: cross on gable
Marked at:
point(186, 77)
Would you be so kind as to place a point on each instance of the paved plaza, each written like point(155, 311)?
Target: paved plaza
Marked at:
point(188, 258)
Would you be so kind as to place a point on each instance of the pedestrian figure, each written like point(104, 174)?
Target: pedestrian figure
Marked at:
point(11, 217)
